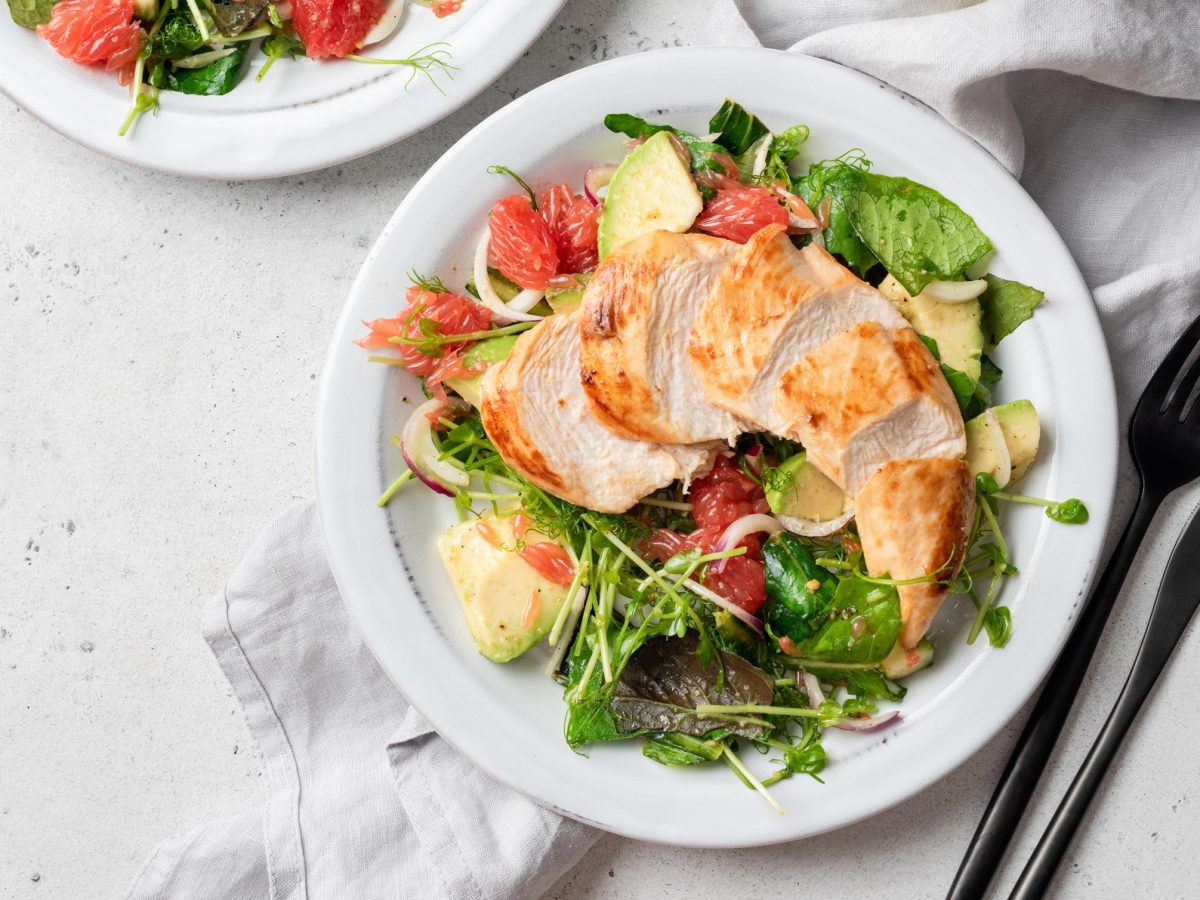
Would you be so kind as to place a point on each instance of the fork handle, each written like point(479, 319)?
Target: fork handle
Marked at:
point(1162, 634)
point(1036, 743)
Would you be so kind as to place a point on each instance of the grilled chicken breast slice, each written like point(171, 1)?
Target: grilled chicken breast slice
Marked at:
point(869, 396)
point(636, 319)
point(771, 307)
point(534, 410)
point(914, 519)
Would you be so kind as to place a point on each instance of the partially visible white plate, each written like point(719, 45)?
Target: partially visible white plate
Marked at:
point(304, 115)
point(508, 719)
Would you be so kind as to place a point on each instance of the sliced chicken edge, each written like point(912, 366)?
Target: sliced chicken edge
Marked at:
point(914, 520)
point(635, 321)
point(534, 410)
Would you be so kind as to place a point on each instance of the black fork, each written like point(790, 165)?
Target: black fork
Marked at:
point(1164, 438)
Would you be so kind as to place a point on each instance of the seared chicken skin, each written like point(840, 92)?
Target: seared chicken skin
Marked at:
point(635, 322)
point(869, 396)
point(771, 307)
point(534, 410)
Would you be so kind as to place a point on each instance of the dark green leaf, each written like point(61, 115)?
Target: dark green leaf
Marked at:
point(1006, 304)
point(289, 45)
point(681, 750)
point(835, 181)
point(962, 386)
point(878, 608)
point(178, 36)
point(235, 16)
point(639, 129)
point(1069, 512)
point(666, 679)
point(30, 13)
point(795, 609)
point(219, 77)
point(736, 128)
point(918, 235)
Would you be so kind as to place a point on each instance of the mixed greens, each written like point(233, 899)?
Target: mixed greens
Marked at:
point(695, 622)
point(201, 46)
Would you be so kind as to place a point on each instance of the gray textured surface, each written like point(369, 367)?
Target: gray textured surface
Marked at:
point(160, 341)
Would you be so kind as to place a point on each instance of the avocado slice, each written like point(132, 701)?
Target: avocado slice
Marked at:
point(490, 351)
point(957, 327)
point(652, 190)
point(798, 488)
point(901, 663)
point(987, 451)
point(1022, 433)
point(495, 585)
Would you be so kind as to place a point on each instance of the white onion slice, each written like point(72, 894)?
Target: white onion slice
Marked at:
point(596, 179)
point(871, 723)
point(713, 597)
point(421, 454)
point(738, 529)
point(813, 528)
point(516, 309)
point(954, 291)
point(388, 22)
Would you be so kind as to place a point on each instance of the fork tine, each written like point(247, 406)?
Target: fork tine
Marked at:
point(1164, 376)
point(1186, 383)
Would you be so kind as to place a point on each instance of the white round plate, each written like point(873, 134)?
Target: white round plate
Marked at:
point(508, 718)
point(304, 115)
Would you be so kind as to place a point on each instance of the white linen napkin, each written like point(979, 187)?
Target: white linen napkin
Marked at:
point(363, 800)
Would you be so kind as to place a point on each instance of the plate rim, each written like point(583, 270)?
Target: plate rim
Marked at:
point(498, 59)
point(1100, 501)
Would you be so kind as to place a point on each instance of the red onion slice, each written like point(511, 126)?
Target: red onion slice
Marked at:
point(870, 723)
point(800, 217)
point(596, 179)
point(516, 309)
point(713, 597)
point(421, 454)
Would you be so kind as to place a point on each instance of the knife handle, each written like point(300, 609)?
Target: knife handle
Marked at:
point(1028, 760)
point(1169, 618)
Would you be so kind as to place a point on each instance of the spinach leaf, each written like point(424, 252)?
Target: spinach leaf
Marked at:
point(666, 678)
point(797, 608)
point(30, 13)
point(834, 181)
point(219, 77)
point(235, 16)
point(1006, 304)
point(736, 129)
point(918, 235)
point(878, 608)
point(701, 151)
point(680, 750)
point(178, 36)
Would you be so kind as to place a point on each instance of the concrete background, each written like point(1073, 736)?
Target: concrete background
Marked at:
point(160, 343)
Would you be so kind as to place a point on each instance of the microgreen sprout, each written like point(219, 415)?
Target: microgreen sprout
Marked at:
point(429, 61)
